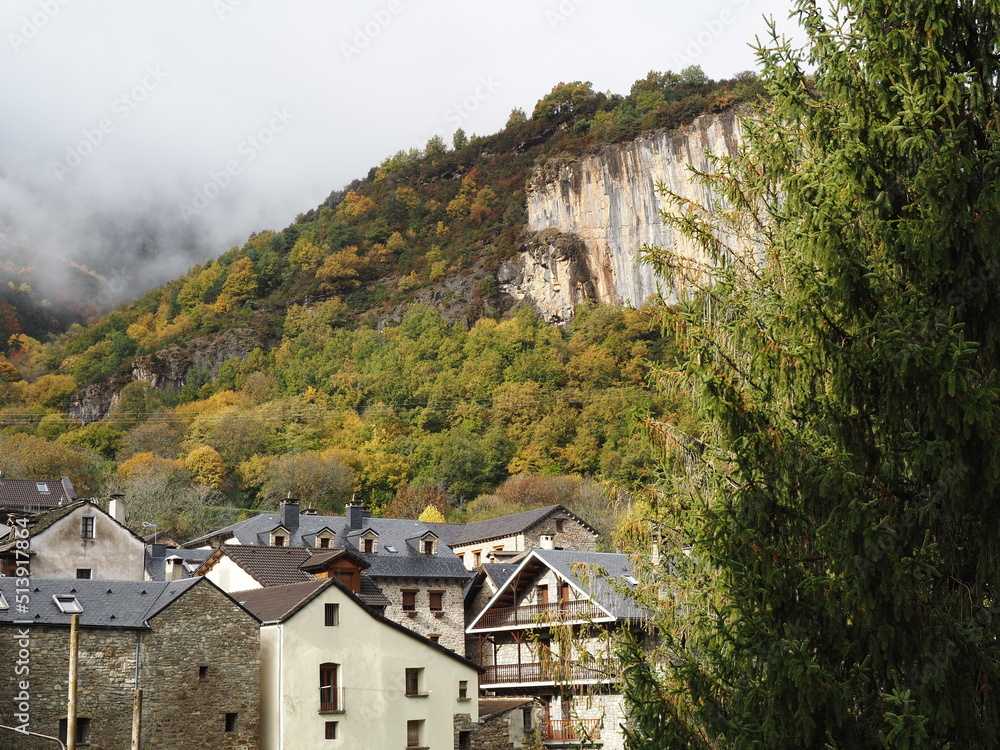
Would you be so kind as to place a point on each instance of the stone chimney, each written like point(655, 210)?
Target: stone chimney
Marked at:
point(116, 508)
point(356, 515)
point(290, 514)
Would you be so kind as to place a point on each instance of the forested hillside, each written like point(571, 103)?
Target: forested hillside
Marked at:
point(365, 349)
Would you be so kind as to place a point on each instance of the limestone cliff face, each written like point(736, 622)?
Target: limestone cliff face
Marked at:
point(609, 203)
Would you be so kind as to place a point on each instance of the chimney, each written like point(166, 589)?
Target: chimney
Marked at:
point(290, 514)
point(157, 551)
point(356, 514)
point(546, 541)
point(116, 508)
point(173, 569)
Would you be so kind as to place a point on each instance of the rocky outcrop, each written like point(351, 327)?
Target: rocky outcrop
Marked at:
point(552, 273)
point(609, 203)
point(166, 369)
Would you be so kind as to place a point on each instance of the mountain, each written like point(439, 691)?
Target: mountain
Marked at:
point(394, 341)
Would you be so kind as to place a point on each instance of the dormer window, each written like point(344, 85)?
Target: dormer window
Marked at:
point(324, 543)
point(428, 544)
point(324, 540)
point(369, 543)
point(280, 537)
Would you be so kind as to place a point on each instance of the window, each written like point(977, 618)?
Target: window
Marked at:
point(279, 541)
point(409, 601)
point(528, 719)
point(428, 546)
point(332, 614)
point(560, 525)
point(465, 740)
point(543, 595)
point(42, 487)
point(231, 722)
point(203, 672)
point(82, 730)
point(83, 573)
point(436, 600)
point(414, 728)
point(324, 543)
point(434, 637)
point(463, 690)
point(369, 546)
point(3, 603)
point(413, 681)
point(564, 593)
point(68, 604)
point(476, 557)
point(87, 527)
point(329, 695)
point(331, 730)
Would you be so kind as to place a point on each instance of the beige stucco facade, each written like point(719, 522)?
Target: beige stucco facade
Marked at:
point(230, 577)
point(113, 553)
point(372, 658)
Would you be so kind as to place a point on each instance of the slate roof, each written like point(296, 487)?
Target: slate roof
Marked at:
point(106, 604)
point(457, 534)
point(397, 555)
point(601, 575)
point(35, 495)
point(490, 707)
point(498, 573)
point(259, 603)
point(156, 566)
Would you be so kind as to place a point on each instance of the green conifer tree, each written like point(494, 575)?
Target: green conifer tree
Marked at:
point(843, 501)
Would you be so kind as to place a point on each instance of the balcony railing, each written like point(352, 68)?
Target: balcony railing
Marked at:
point(535, 614)
point(332, 699)
point(558, 671)
point(566, 730)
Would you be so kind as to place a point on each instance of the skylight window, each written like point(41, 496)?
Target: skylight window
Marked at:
point(42, 487)
point(389, 548)
point(68, 604)
point(3, 603)
point(630, 580)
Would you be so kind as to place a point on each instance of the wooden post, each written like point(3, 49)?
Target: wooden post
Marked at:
point(136, 718)
point(74, 648)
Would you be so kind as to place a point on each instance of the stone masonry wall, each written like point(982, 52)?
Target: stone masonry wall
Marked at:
point(450, 625)
point(573, 536)
point(106, 681)
point(202, 628)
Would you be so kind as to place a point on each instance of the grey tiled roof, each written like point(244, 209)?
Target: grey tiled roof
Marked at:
point(107, 604)
point(156, 567)
point(396, 556)
point(456, 534)
point(599, 574)
point(270, 566)
point(35, 495)
point(498, 573)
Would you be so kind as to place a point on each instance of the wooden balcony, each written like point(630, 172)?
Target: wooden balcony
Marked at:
point(572, 730)
point(580, 610)
point(559, 671)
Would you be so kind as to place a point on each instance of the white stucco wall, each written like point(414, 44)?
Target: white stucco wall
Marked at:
point(230, 577)
point(373, 659)
point(113, 554)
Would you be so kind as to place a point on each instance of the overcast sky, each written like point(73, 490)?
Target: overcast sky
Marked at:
point(231, 116)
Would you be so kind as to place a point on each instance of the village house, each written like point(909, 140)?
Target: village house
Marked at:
point(190, 648)
point(416, 580)
point(545, 632)
point(77, 540)
point(34, 496)
point(335, 674)
point(508, 537)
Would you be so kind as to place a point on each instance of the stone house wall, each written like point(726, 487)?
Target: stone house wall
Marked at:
point(450, 625)
point(106, 683)
point(206, 628)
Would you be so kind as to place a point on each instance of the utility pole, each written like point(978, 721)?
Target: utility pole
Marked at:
point(74, 648)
